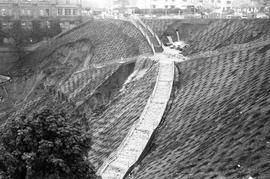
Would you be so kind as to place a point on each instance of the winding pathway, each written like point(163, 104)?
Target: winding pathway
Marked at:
point(133, 145)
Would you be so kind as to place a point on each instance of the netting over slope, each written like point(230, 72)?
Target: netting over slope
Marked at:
point(57, 64)
point(80, 84)
point(159, 26)
point(226, 32)
point(111, 127)
point(108, 39)
point(185, 27)
point(218, 126)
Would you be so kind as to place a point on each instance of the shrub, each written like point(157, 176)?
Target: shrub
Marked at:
point(46, 145)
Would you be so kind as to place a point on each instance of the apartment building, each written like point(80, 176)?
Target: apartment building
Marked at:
point(67, 9)
point(68, 12)
point(40, 9)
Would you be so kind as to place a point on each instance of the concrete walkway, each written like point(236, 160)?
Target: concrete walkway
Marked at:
point(133, 145)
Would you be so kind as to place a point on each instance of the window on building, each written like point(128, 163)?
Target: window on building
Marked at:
point(67, 1)
point(184, 0)
point(22, 12)
point(4, 12)
point(229, 2)
point(41, 12)
point(173, 6)
point(7, 25)
point(48, 23)
point(47, 12)
point(27, 25)
point(67, 12)
point(60, 12)
point(28, 12)
point(44, 12)
point(75, 12)
point(166, 6)
point(219, 1)
point(154, 6)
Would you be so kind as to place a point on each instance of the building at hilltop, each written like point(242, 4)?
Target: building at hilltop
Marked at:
point(45, 10)
point(167, 4)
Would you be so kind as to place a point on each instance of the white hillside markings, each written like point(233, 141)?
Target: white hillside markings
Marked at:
point(133, 145)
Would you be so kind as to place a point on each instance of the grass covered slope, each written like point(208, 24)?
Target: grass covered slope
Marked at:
point(218, 125)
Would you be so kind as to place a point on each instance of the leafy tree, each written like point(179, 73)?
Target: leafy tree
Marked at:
point(46, 145)
point(37, 33)
point(17, 33)
point(55, 28)
point(1, 34)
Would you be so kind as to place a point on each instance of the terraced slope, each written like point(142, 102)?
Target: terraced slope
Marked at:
point(226, 32)
point(218, 124)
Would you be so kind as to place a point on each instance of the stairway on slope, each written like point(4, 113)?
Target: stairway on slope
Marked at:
point(157, 46)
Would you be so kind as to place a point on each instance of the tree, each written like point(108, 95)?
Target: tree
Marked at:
point(55, 28)
point(37, 33)
point(46, 145)
point(17, 33)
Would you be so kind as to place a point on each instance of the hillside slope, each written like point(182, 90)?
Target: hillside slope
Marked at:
point(227, 32)
point(218, 124)
point(74, 64)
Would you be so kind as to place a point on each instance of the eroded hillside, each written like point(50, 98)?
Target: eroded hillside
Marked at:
point(72, 66)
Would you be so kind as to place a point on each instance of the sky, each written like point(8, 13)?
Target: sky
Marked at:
point(102, 3)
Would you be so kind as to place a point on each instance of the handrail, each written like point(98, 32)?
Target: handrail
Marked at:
point(150, 30)
point(144, 34)
point(159, 41)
